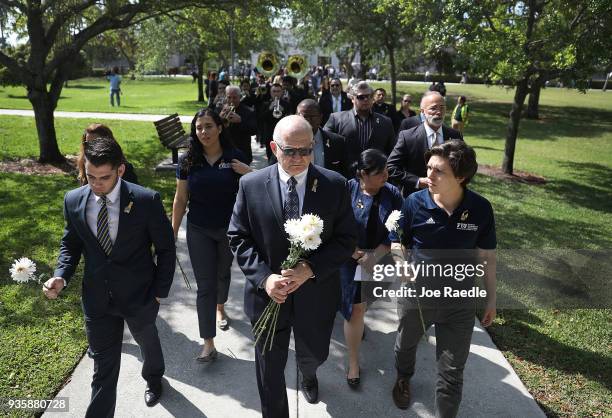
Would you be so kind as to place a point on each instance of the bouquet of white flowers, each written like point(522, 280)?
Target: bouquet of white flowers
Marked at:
point(304, 236)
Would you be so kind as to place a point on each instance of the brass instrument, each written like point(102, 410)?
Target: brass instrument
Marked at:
point(277, 109)
point(225, 113)
point(262, 89)
point(267, 64)
point(297, 66)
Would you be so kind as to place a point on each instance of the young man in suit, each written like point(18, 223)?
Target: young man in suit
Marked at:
point(310, 291)
point(361, 127)
point(334, 101)
point(114, 223)
point(407, 162)
point(329, 148)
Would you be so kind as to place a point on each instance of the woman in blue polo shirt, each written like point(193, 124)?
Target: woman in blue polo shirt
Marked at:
point(373, 199)
point(207, 181)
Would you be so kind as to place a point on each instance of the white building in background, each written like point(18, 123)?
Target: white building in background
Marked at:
point(289, 46)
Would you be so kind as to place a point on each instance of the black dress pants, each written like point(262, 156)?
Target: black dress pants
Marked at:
point(105, 337)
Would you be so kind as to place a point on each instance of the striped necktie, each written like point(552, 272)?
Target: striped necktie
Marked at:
point(103, 233)
point(292, 203)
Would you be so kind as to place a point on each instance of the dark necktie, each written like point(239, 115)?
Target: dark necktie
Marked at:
point(103, 233)
point(292, 203)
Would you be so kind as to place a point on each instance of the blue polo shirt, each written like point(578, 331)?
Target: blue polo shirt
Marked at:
point(212, 190)
point(445, 243)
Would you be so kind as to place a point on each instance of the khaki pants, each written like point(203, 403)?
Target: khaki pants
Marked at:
point(455, 124)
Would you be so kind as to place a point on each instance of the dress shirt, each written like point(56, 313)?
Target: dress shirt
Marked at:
point(319, 150)
point(112, 206)
point(300, 186)
point(364, 129)
point(433, 137)
point(336, 103)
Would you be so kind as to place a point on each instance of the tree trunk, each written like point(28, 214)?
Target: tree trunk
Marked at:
point(513, 124)
point(200, 66)
point(45, 126)
point(533, 106)
point(391, 51)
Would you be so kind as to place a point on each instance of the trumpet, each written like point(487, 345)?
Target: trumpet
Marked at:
point(262, 89)
point(277, 109)
point(225, 112)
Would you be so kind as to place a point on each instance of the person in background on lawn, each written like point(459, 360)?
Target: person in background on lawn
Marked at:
point(115, 86)
point(207, 181)
point(114, 225)
point(460, 114)
point(92, 132)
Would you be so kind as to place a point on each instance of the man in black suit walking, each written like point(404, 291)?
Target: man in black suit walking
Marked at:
point(309, 292)
point(335, 100)
point(241, 122)
point(329, 148)
point(114, 223)
point(361, 127)
point(407, 161)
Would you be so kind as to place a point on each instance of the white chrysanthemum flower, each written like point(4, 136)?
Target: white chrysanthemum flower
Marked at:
point(311, 242)
point(23, 270)
point(312, 223)
point(293, 229)
point(392, 223)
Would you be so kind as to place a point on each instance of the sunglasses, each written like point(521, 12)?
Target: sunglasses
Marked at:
point(292, 152)
point(362, 97)
point(407, 101)
point(335, 85)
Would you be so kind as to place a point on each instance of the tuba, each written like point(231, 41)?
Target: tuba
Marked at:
point(297, 66)
point(267, 64)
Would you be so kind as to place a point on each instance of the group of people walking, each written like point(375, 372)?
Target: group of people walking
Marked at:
point(345, 165)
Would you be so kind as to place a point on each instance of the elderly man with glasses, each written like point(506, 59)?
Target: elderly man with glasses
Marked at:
point(308, 293)
point(334, 101)
point(361, 127)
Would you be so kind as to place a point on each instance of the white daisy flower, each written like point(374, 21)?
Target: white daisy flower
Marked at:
point(392, 223)
point(23, 270)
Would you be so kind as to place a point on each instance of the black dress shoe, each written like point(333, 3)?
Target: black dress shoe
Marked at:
point(353, 382)
point(310, 389)
point(152, 394)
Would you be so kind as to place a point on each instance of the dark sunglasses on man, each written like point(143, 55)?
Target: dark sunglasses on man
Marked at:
point(292, 152)
point(362, 96)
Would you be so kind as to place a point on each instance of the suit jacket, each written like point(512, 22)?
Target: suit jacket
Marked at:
point(410, 122)
point(259, 242)
point(267, 119)
point(382, 136)
point(240, 133)
point(130, 274)
point(407, 161)
point(327, 105)
point(335, 152)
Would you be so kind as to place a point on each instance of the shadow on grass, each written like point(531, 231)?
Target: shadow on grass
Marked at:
point(517, 337)
point(566, 121)
point(84, 87)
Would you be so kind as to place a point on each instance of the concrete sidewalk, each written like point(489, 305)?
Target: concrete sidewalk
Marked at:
point(93, 116)
point(228, 388)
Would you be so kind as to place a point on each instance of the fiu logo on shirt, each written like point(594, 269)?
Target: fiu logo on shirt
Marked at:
point(462, 226)
point(224, 165)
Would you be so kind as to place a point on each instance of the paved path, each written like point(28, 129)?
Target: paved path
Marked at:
point(227, 387)
point(93, 116)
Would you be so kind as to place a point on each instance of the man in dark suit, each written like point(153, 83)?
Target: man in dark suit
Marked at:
point(380, 106)
point(406, 163)
point(270, 119)
point(362, 128)
point(411, 122)
point(310, 291)
point(335, 100)
point(114, 223)
point(329, 148)
point(241, 122)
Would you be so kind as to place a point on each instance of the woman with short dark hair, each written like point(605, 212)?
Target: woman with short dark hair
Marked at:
point(373, 200)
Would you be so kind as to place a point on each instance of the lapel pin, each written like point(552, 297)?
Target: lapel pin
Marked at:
point(464, 215)
point(327, 143)
point(377, 121)
point(128, 208)
point(314, 185)
point(360, 204)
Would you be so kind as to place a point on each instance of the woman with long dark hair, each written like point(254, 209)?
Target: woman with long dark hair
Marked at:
point(373, 200)
point(207, 182)
point(91, 133)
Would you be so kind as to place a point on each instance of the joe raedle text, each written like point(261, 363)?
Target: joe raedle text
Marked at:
point(446, 292)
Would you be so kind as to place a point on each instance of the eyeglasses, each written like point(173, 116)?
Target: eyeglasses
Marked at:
point(292, 152)
point(407, 101)
point(334, 85)
point(362, 96)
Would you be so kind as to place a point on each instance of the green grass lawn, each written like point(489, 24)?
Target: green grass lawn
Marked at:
point(563, 356)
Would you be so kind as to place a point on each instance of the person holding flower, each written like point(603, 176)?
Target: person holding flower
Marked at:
point(308, 292)
point(446, 225)
point(373, 200)
point(207, 182)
